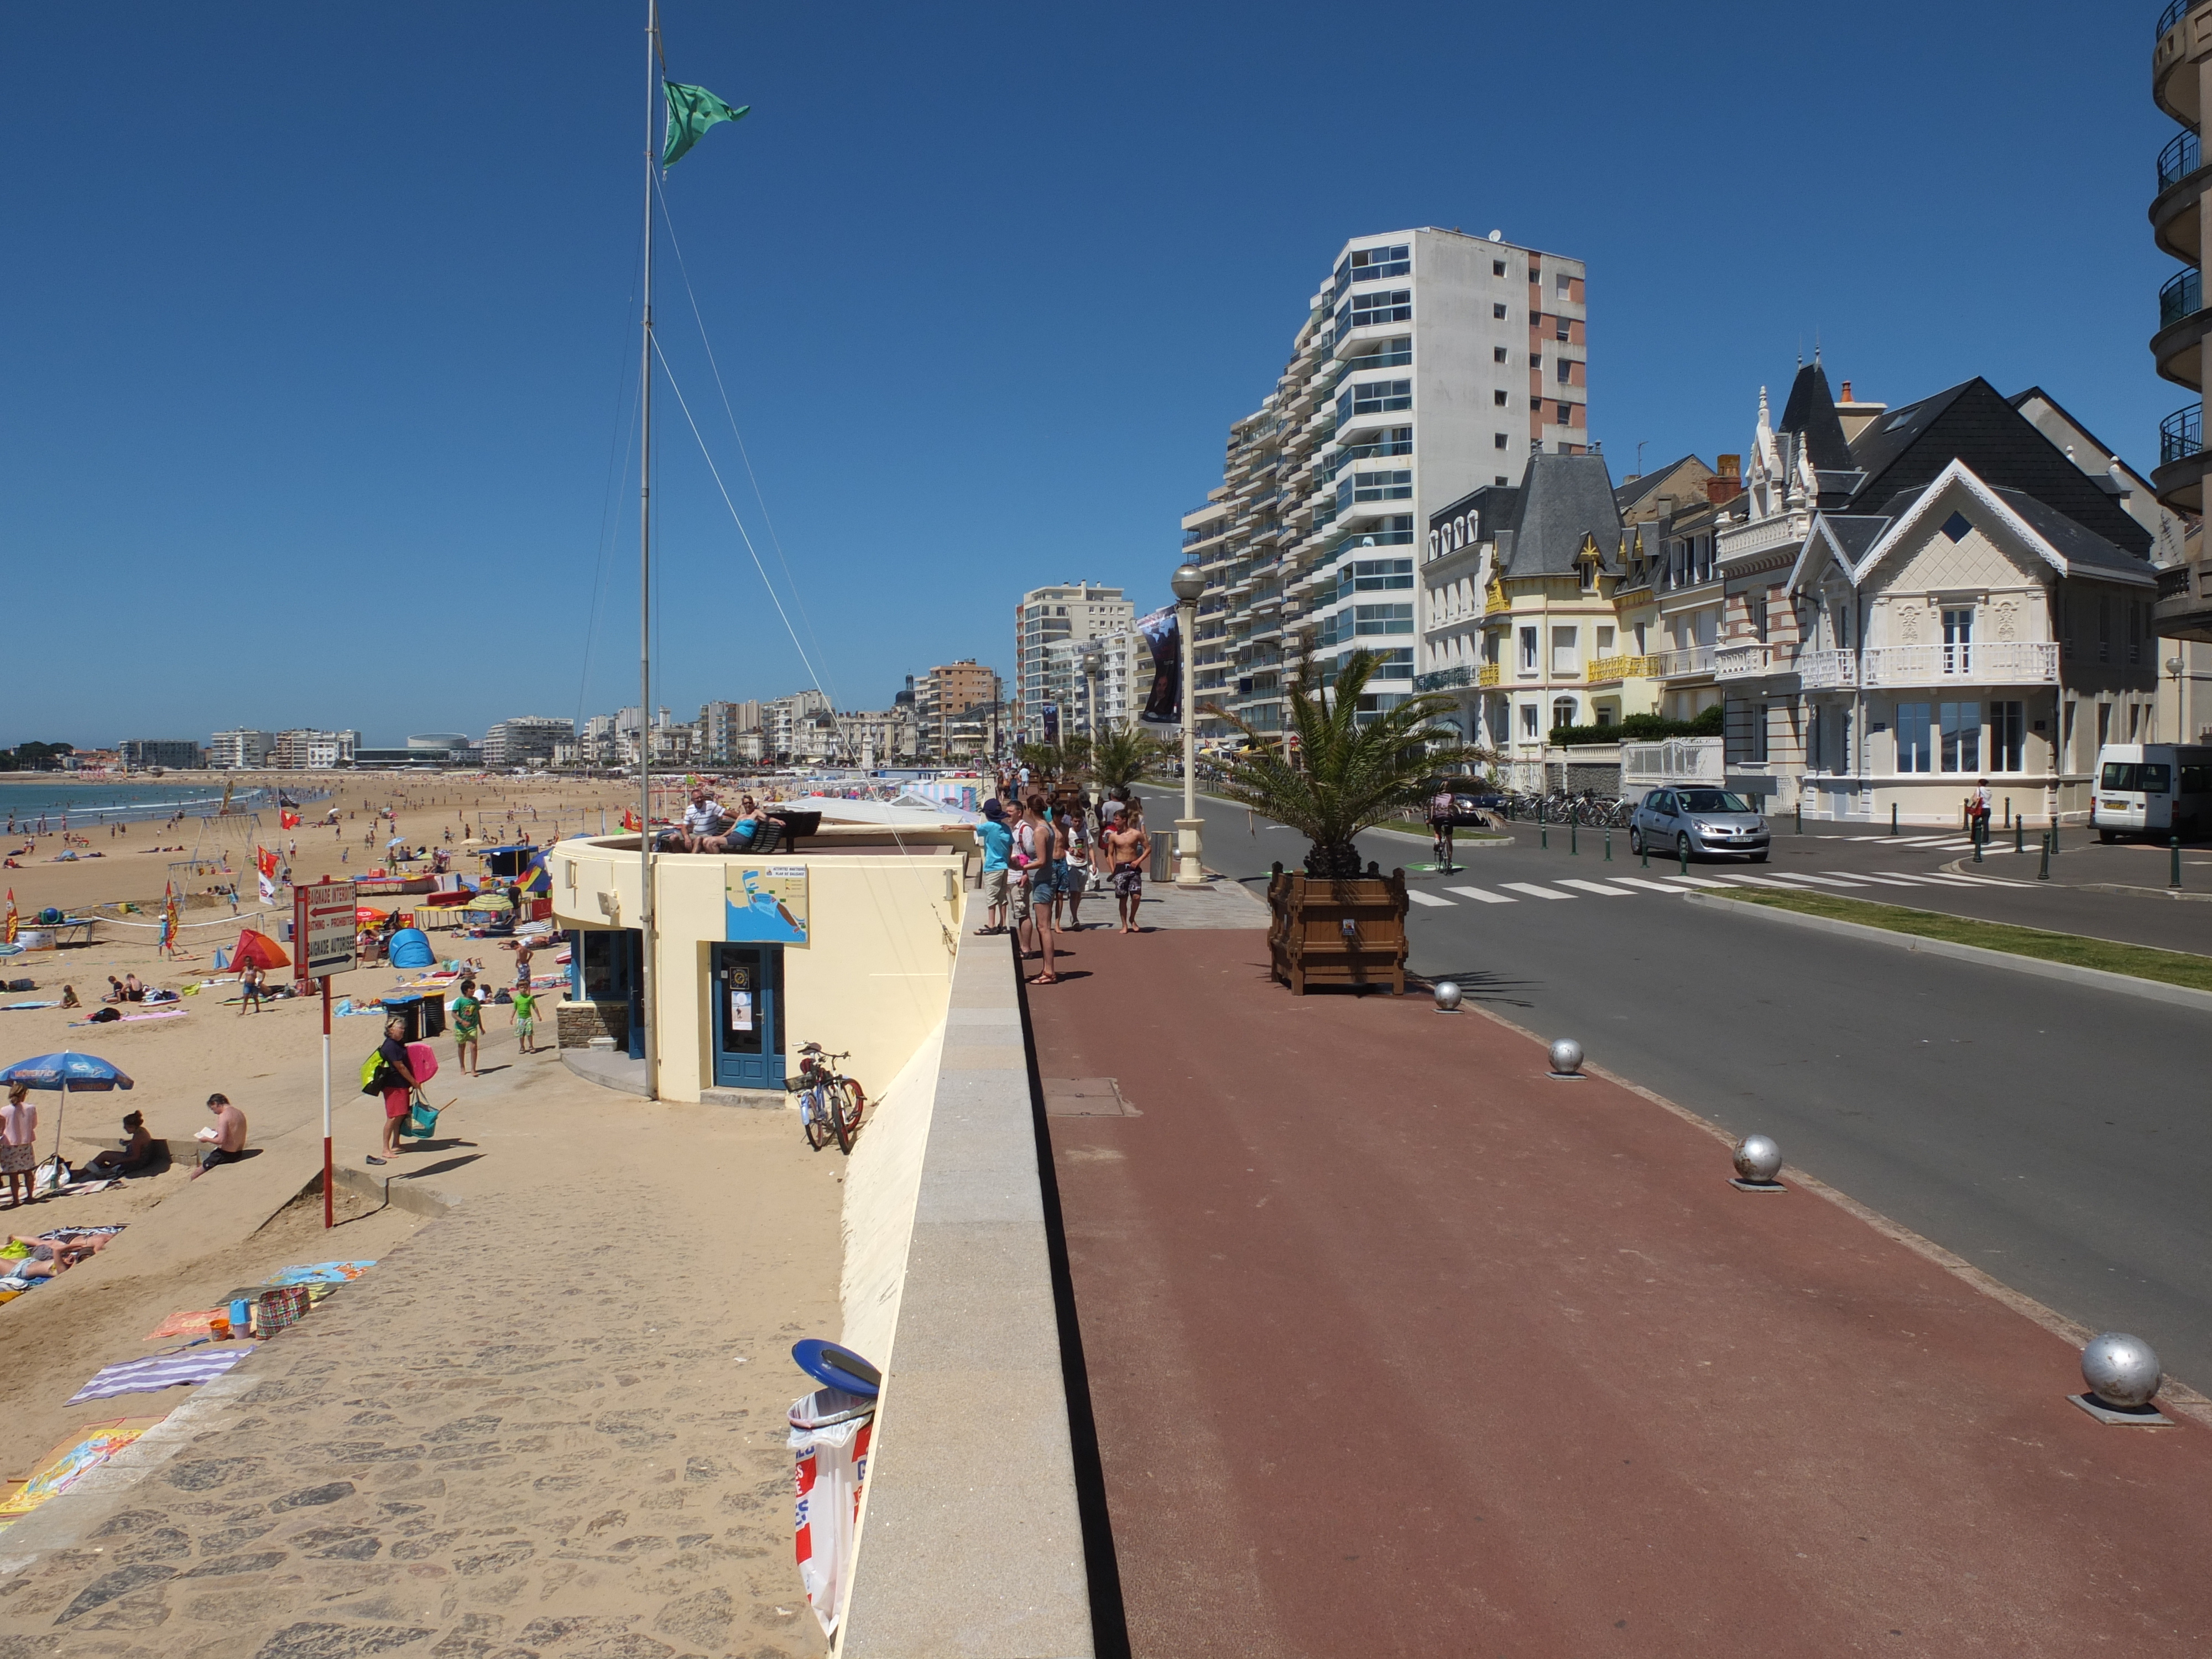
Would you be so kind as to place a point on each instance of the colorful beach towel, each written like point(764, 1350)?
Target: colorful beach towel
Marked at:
point(11, 1007)
point(163, 1371)
point(195, 1323)
point(83, 1451)
point(319, 1272)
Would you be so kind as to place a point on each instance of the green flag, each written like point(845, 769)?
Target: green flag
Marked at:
point(691, 110)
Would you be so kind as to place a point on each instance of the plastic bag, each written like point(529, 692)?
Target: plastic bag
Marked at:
point(829, 1431)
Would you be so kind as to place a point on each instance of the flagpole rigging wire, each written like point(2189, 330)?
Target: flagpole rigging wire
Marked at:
point(645, 351)
point(683, 269)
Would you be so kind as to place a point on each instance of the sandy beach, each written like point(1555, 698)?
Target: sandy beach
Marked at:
point(187, 1243)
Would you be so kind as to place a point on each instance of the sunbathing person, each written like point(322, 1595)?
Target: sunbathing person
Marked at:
point(49, 1257)
point(136, 1153)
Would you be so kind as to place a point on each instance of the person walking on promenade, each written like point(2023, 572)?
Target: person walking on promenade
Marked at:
point(229, 1143)
point(521, 969)
point(1045, 876)
point(998, 841)
point(19, 1155)
point(396, 1078)
point(1979, 810)
point(525, 1019)
point(1075, 856)
point(468, 1027)
point(1126, 846)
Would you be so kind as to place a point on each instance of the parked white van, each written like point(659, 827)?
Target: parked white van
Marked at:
point(2153, 788)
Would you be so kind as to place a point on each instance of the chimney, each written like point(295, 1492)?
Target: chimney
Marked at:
point(1847, 392)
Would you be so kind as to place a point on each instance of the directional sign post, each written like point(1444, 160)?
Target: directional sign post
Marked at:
point(325, 929)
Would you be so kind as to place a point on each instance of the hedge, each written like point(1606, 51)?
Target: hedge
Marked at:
point(1641, 728)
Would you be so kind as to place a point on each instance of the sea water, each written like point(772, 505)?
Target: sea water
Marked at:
point(28, 796)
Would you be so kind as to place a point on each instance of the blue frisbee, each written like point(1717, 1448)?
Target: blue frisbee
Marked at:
point(838, 1368)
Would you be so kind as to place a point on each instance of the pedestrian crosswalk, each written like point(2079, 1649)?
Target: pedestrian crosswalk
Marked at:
point(1570, 887)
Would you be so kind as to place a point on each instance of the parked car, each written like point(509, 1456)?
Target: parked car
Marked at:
point(1471, 798)
point(1706, 822)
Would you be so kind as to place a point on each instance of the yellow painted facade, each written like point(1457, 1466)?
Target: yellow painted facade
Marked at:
point(874, 977)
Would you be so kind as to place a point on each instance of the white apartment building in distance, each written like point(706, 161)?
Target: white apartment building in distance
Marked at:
point(1429, 363)
point(1045, 616)
point(240, 749)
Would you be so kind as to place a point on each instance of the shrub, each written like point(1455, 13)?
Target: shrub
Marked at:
point(1641, 728)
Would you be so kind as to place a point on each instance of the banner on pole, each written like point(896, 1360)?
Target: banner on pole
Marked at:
point(1162, 637)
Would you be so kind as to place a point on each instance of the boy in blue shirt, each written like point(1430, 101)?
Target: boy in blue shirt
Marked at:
point(998, 842)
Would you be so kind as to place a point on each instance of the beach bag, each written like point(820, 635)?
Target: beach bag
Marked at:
point(420, 1123)
point(374, 1072)
point(274, 1310)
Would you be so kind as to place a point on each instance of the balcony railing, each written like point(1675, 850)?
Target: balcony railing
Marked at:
point(1822, 670)
point(2175, 11)
point(2183, 295)
point(2178, 159)
point(1737, 661)
point(1697, 659)
point(1488, 676)
point(1443, 679)
point(2181, 435)
point(1605, 670)
point(1991, 662)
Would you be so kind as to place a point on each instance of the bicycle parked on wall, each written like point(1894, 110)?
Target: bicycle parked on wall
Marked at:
point(829, 1102)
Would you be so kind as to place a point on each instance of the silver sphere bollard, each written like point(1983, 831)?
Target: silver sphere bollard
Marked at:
point(1448, 996)
point(1758, 1161)
point(1566, 1058)
point(2122, 1372)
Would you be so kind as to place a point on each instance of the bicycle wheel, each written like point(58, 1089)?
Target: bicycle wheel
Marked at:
point(813, 1117)
point(844, 1103)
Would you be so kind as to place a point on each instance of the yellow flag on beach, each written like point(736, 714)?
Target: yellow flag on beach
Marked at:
point(11, 916)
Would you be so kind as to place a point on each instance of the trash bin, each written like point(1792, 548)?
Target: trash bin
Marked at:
point(1164, 855)
point(409, 1009)
point(830, 1429)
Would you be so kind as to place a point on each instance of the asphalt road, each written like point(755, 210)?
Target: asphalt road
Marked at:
point(2055, 1136)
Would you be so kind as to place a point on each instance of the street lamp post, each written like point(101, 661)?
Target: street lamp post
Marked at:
point(1092, 662)
point(1189, 582)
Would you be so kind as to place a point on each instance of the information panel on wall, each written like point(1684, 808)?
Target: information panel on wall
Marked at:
point(765, 904)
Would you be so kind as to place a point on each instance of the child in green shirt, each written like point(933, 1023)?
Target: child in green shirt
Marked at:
point(468, 1026)
point(526, 1020)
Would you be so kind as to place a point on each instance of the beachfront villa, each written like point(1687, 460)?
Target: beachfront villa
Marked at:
point(846, 940)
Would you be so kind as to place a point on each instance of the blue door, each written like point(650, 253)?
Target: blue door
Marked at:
point(747, 986)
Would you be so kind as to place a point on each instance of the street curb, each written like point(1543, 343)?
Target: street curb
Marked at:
point(2180, 996)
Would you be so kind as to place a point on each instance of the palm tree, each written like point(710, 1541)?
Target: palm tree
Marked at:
point(1350, 772)
point(1122, 754)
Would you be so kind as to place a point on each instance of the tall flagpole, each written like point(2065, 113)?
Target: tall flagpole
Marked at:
point(645, 572)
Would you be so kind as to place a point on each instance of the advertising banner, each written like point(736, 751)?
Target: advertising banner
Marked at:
point(1163, 634)
point(765, 904)
point(1050, 711)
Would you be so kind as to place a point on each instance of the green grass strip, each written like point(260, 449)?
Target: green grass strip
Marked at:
point(2137, 961)
point(1415, 826)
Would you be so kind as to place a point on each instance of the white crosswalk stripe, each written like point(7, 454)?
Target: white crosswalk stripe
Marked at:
point(1596, 887)
point(1769, 881)
point(1701, 881)
point(1886, 881)
point(1534, 891)
point(1985, 881)
point(1827, 881)
point(1933, 881)
point(1419, 897)
point(1655, 886)
point(1480, 896)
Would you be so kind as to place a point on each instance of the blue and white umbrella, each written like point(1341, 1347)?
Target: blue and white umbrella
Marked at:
point(70, 1072)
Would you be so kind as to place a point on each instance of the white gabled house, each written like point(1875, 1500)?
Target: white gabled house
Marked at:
point(1968, 632)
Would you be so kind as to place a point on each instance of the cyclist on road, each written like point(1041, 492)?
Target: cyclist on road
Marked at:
point(1440, 823)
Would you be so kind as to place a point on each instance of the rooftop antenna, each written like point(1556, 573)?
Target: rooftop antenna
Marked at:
point(1640, 442)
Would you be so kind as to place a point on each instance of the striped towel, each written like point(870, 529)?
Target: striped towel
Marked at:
point(163, 1371)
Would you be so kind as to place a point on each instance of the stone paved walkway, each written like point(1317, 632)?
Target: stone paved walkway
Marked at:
point(527, 1431)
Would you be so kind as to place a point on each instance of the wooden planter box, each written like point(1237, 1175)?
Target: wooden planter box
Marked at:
point(1338, 933)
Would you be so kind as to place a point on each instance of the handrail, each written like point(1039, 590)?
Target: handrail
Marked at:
point(2175, 11)
point(2181, 433)
point(2181, 157)
point(2180, 296)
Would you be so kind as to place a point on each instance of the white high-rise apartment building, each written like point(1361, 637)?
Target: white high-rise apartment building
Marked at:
point(240, 749)
point(1045, 617)
point(1429, 363)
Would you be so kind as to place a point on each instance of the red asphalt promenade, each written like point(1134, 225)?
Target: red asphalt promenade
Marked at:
point(1397, 1346)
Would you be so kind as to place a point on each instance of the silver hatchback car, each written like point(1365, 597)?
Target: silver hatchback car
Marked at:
point(1702, 821)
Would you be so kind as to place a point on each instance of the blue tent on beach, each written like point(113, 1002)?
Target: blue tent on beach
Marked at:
point(410, 948)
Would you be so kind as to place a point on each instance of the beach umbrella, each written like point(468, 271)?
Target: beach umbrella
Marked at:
point(487, 901)
point(258, 951)
point(396, 841)
point(71, 1073)
point(368, 913)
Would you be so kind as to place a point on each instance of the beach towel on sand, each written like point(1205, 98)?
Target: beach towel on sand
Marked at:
point(163, 1371)
point(194, 1323)
point(85, 1449)
point(319, 1272)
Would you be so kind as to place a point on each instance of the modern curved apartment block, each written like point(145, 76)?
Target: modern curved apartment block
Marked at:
point(2181, 85)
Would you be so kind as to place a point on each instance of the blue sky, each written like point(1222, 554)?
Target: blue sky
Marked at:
point(319, 321)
